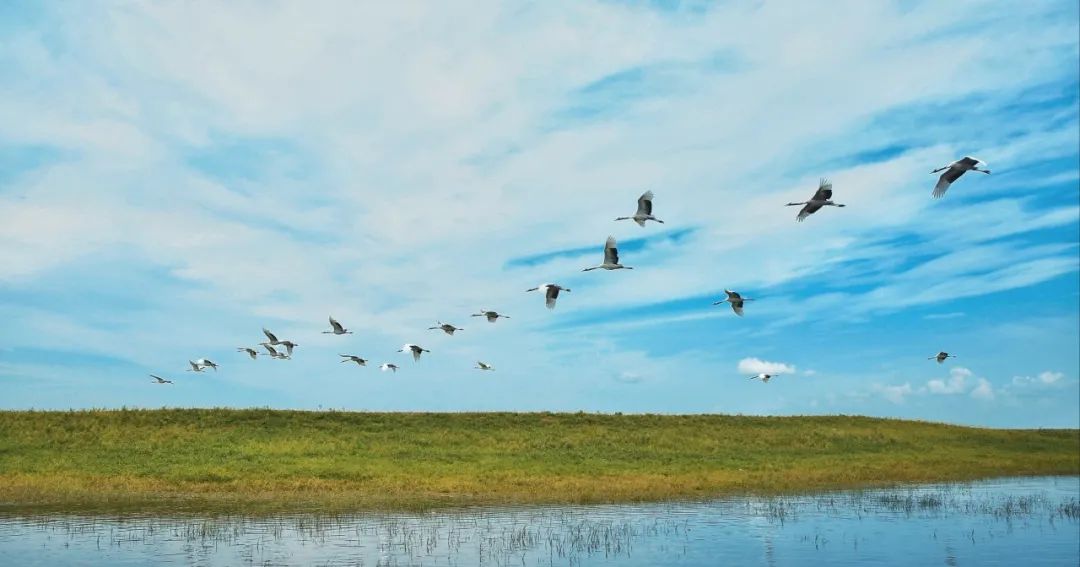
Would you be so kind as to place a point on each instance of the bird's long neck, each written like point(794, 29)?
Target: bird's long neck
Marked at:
point(795, 204)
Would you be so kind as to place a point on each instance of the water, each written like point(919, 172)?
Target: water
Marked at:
point(1019, 521)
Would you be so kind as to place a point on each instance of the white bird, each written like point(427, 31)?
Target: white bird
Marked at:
point(735, 300)
point(551, 293)
point(491, 316)
point(206, 363)
point(195, 367)
point(941, 356)
point(822, 198)
point(954, 171)
point(484, 366)
point(415, 349)
point(273, 338)
point(763, 377)
point(336, 329)
point(644, 210)
point(250, 352)
point(611, 257)
point(353, 358)
point(388, 366)
point(160, 380)
point(445, 327)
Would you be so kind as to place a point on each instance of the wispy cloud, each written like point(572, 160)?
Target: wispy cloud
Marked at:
point(435, 164)
point(1046, 378)
point(895, 394)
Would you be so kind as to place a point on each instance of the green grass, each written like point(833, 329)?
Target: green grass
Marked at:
point(277, 460)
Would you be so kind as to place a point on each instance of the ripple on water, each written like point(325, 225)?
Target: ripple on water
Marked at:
point(997, 522)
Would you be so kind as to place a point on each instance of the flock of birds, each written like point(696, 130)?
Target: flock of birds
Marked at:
point(283, 349)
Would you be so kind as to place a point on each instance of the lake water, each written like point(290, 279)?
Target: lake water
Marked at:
point(1018, 521)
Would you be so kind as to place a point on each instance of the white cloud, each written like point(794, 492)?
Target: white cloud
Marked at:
point(895, 394)
point(757, 366)
point(955, 384)
point(960, 381)
point(1048, 377)
point(1045, 378)
point(983, 390)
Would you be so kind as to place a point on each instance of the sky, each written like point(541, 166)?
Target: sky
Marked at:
point(175, 176)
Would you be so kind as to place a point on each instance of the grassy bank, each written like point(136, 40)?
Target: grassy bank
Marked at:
point(270, 460)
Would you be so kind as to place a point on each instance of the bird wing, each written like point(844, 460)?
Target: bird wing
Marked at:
point(611, 251)
point(337, 326)
point(273, 351)
point(824, 192)
point(491, 316)
point(946, 179)
point(968, 161)
point(737, 306)
point(644, 203)
point(807, 211)
point(269, 335)
point(732, 294)
point(550, 297)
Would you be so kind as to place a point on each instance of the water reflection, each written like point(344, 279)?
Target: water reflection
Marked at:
point(1006, 522)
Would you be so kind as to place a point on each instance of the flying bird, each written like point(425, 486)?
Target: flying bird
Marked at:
point(353, 358)
point(336, 329)
point(206, 363)
point(611, 257)
point(491, 316)
point(250, 352)
point(551, 293)
point(953, 172)
point(445, 327)
point(821, 198)
point(735, 300)
point(271, 337)
point(415, 349)
point(644, 210)
point(195, 367)
point(388, 366)
point(160, 380)
point(763, 377)
point(274, 352)
point(484, 366)
point(289, 345)
point(941, 356)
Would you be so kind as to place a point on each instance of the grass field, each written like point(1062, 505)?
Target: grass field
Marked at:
point(272, 460)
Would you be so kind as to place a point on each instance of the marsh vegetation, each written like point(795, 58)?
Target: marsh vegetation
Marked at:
point(276, 460)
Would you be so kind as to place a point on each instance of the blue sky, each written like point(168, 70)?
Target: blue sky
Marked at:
point(176, 177)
